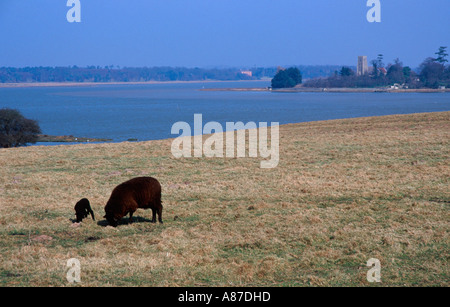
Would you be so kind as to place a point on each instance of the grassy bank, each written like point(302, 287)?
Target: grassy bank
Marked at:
point(344, 191)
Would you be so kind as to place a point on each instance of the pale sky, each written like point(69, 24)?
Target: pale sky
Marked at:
point(215, 33)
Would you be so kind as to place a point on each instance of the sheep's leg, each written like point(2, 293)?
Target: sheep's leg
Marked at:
point(160, 214)
point(130, 220)
point(153, 215)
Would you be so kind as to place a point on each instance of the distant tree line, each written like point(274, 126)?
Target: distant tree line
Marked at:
point(145, 74)
point(432, 73)
point(115, 74)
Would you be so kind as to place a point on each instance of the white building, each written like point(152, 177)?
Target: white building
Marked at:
point(363, 67)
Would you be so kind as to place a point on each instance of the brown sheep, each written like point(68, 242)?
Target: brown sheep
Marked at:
point(141, 192)
point(82, 210)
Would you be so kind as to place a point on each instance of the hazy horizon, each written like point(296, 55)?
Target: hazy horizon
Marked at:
point(187, 67)
point(219, 33)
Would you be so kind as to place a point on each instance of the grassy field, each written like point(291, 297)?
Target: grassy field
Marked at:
point(345, 191)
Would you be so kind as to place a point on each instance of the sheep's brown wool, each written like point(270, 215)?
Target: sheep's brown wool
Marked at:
point(126, 198)
point(82, 210)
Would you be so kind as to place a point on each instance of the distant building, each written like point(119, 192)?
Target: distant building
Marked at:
point(383, 70)
point(247, 72)
point(363, 67)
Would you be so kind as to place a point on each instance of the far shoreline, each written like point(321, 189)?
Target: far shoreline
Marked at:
point(329, 90)
point(231, 89)
point(90, 84)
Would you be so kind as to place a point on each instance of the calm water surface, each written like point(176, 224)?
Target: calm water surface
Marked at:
point(147, 112)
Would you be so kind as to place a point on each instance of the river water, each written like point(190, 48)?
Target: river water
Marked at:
point(147, 112)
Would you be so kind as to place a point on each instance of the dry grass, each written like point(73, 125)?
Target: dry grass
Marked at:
point(344, 191)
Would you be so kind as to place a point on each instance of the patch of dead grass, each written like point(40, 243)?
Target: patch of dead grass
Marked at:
point(344, 191)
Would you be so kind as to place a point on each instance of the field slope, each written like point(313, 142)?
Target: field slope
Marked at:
point(345, 191)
